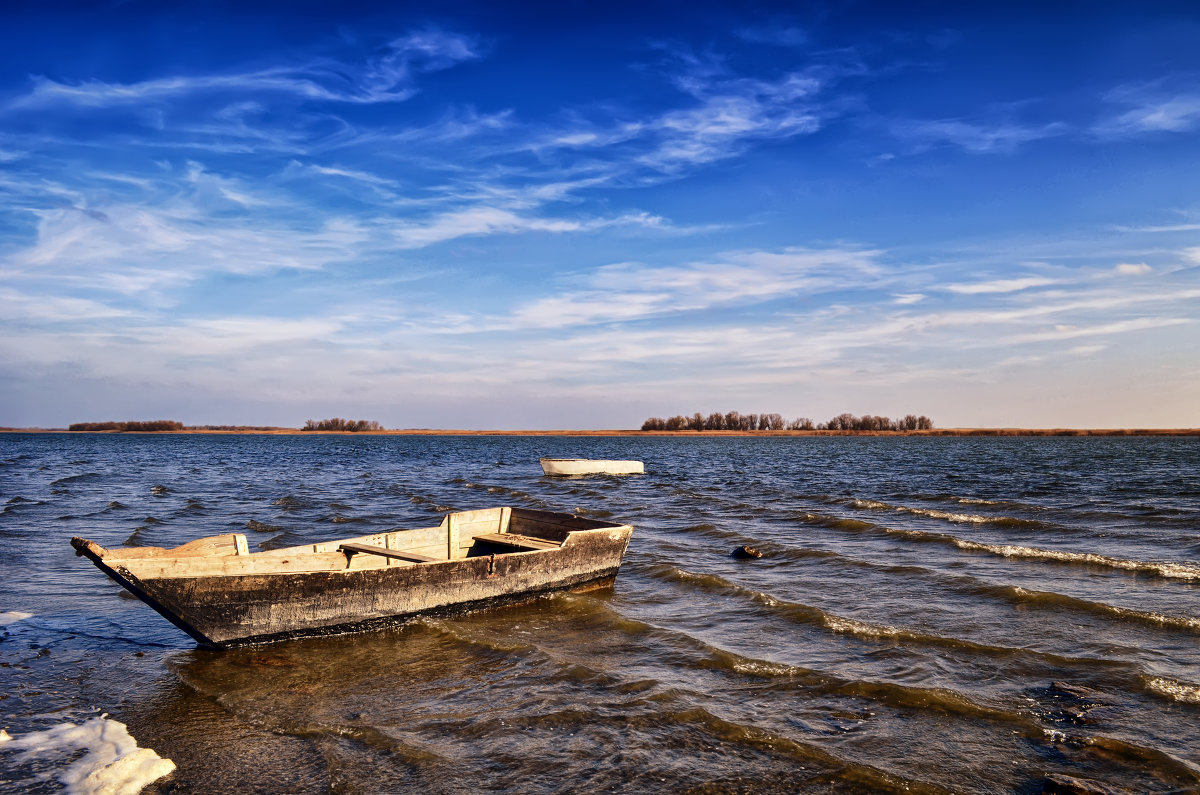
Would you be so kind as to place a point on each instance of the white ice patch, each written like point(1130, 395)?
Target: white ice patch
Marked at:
point(113, 764)
point(12, 617)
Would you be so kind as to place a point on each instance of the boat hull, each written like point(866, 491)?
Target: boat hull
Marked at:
point(590, 466)
point(220, 609)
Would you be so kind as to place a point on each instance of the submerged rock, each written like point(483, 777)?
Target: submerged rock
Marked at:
point(1070, 785)
point(746, 553)
point(1078, 691)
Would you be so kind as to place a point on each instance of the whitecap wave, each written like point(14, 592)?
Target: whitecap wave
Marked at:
point(851, 627)
point(12, 617)
point(1176, 691)
point(934, 513)
point(1178, 571)
point(112, 765)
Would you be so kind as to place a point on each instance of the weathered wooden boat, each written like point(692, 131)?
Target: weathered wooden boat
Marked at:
point(223, 595)
point(590, 466)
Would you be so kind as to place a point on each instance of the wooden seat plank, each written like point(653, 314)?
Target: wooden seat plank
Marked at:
point(513, 540)
point(370, 549)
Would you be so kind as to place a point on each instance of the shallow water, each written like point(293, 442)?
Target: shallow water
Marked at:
point(930, 615)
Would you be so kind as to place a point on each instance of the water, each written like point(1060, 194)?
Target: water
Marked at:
point(929, 615)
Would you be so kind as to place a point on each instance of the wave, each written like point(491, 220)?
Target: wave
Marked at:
point(1015, 593)
point(711, 531)
point(508, 492)
point(838, 522)
point(815, 616)
point(283, 540)
point(1174, 691)
point(75, 478)
point(740, 736)
point(426, 502)
point(704, 655)
point(595, 513)
point(950, 516)
point(1010, 593)
point(136, 538)
point(1137, 756)
point(960, 500)
point(1177, 571)
point(18, 504)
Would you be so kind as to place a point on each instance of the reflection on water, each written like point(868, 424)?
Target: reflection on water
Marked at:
point(929, 615)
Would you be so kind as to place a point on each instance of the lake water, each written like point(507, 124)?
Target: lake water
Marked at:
point(929, 615)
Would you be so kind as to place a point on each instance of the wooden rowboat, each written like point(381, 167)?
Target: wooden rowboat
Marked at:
point(223, 595)
point(590, 466)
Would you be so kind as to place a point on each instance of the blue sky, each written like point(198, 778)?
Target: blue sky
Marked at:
point(582, 215)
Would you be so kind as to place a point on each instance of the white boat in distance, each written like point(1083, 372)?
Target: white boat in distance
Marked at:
point(590, 466)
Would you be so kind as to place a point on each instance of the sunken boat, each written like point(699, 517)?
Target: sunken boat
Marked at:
point(223, 595)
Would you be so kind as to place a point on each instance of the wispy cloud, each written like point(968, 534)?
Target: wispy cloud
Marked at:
point(1000, 285)
point(783, 36)
point(206, 223)
point(42, 308)
point(1169, 105)
point(383, 77)
point(978, 137)
point(627, 291)
point(1065, 332)
point(1132, 269)
point(721, 115)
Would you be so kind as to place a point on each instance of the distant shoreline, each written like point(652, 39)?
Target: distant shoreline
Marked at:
point(679, 434)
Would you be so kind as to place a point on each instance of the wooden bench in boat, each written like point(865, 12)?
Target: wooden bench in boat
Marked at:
point(371, 549)
point(513, 540)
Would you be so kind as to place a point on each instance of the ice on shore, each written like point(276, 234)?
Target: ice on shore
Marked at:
point(12, 617)
point(113, 764)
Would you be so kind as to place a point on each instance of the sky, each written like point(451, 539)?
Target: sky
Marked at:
point(581, 215)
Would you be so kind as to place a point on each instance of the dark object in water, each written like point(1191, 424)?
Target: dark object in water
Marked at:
point(1078, 691)
point(1061, 784)
point(222, 595)
point(746, 553)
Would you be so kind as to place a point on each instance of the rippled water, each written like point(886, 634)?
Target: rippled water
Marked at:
point(929, 615)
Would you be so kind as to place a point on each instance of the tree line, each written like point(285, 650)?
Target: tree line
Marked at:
point(130, 425)
point(736, 421)
point(339, 424)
